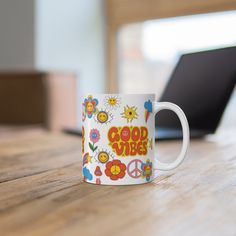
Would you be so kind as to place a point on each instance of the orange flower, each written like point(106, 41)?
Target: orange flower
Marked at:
point(115, 169)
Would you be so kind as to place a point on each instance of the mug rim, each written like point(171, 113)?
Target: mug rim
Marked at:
point(120, 94)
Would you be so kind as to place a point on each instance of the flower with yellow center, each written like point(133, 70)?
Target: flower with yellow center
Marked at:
point(115, 169)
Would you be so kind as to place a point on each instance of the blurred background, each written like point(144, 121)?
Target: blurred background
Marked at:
point(52, 52)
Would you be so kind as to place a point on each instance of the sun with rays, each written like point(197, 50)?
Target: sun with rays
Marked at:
point(103, 116)
point(102, 156)
point(112, 102)
point(130, 113)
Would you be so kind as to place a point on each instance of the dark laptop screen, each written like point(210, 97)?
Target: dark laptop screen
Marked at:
point(201, 85)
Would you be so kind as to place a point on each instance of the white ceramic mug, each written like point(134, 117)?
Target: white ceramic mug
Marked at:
point(118, 143)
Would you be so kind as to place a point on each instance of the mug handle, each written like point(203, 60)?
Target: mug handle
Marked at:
point(158, 106)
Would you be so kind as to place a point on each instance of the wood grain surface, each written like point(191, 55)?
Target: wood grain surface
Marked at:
point(42, 192)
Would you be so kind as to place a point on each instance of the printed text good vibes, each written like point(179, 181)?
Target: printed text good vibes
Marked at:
point(128, 140)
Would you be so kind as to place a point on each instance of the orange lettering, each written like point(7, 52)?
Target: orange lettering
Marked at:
point(113, 135)
point(128, 140)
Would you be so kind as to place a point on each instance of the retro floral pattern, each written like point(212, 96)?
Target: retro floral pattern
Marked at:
point(147, 170)
point(90, 106)
point(115, 169)
point(94, 137)
point(124, 154)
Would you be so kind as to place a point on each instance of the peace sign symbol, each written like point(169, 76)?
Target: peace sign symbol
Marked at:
point(134, 168)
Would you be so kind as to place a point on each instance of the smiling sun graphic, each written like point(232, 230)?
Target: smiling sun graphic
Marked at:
point(130, 113)
point(103, 156)
point(112, 102)
point(103, 117)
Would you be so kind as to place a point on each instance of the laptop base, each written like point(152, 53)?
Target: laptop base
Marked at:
point(173, 134)
point(160, 133)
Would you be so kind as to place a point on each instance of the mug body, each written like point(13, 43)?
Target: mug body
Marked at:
point(118, 138)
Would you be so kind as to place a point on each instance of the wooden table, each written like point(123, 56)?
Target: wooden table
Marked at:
point(42, 192)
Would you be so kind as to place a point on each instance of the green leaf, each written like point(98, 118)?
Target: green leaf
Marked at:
point(91, 146)
point(95, 148)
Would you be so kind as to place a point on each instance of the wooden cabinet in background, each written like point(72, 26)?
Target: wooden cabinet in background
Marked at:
point(46, 98)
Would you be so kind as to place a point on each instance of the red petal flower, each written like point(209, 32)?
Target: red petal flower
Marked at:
point(122, 166)
point(114, 174)
point(114, 177)
point(109, 165)
point(108, 172)
point(116, 162)
point(121, 175)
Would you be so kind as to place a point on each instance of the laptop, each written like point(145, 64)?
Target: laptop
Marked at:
point(201, 84)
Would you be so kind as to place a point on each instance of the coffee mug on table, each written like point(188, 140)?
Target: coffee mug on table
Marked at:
point(118, 142)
